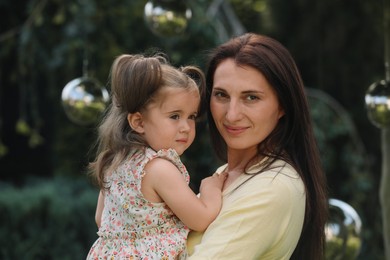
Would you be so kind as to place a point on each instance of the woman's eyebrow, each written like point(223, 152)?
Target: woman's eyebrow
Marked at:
point(253, 91)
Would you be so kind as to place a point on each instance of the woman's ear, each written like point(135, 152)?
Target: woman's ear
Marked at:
point(135, 122)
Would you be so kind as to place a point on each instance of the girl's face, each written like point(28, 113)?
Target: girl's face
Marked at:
point(244, 106)
point(170, 122)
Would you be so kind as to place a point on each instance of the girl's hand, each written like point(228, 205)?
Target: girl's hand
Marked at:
point(215, 181)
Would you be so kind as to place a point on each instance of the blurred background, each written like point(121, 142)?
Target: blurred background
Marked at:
point(56, 54)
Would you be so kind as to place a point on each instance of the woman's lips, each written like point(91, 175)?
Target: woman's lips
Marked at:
point(235, 130)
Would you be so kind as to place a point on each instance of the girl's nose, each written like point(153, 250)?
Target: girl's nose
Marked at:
point(185, 126)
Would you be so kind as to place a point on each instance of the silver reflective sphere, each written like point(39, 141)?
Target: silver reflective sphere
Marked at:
point(378, 103)
point(167, 18)
point(84, 100)
point(342, 231)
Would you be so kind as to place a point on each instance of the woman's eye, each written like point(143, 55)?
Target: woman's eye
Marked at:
point(219, 94)
point(252, 97)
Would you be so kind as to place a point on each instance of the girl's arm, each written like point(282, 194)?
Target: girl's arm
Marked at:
point(164, 182)
point(99, 209)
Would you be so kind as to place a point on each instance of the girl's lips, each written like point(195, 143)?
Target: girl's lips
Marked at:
point(182, 140)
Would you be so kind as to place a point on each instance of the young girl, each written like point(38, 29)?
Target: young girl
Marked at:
point(145, 207)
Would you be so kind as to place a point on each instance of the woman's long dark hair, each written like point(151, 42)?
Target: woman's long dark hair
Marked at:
point(292, 140)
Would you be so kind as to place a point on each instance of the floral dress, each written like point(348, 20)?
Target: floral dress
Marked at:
point(133, 227)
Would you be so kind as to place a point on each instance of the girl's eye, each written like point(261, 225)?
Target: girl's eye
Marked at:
point(175, 117)
point(193, 117)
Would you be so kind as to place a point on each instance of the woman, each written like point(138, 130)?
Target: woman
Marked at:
point(274, 198)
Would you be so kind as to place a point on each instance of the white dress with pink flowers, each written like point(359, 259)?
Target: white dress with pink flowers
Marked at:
point(131, 226)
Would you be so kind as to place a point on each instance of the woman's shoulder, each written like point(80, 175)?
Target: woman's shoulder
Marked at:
point(280, 177)
point(277, 167)
point(220, 169)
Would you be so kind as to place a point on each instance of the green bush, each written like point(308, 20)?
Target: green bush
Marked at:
point(47, 219)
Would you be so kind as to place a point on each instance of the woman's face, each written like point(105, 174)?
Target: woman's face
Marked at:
point(244, 106)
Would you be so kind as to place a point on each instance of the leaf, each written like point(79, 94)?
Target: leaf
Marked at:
point(22, 127)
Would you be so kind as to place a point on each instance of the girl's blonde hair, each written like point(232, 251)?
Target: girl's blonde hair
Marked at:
point(135, 82)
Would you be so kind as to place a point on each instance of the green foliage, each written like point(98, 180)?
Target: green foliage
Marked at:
point(348, 252)
point(347, 168)
point(47, 219)
point(3, 149)
point(334, 127)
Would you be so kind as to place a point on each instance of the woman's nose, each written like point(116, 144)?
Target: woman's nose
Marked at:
point(233, 112)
